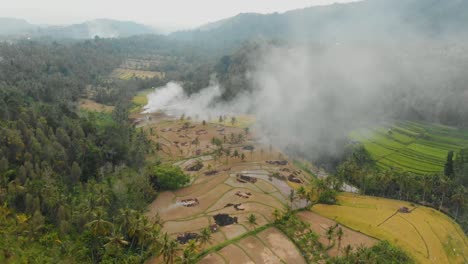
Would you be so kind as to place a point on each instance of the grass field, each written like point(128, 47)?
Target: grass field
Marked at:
point(415, 147)
point(426, 234)
point(126, 74)
point(140, 100)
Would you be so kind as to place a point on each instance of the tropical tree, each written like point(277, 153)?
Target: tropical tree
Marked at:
point(169, 249)
point(459, 198)
point(227, 153)
point(339, 235)
point(189, 255)
point(233, 120)
point(276, 215)
point(99, 226)
point(205, 236)
point(347, 250)
point(115, 242)
point(252, 220)
point(330, 233)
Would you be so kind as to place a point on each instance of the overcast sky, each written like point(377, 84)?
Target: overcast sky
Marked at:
point(159, 13)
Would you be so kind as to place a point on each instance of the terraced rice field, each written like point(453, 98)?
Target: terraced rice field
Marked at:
point(426, 234)
point(217, 193)
point(416, 147)
point(268, 246)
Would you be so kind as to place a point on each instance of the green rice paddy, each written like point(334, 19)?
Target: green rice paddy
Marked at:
point(412, 146)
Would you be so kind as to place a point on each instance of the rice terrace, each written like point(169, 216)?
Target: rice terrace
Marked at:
point(290, 132)
point(250, 180)
point(414, 146)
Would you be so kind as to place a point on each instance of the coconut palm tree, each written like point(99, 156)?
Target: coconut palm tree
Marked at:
point(459, 198)
point(189, 255)
point(99, 226)
point(205, 236)
point(126, 217)
point(227, 152)
point(339, 235)
point(443, 185)
point(301, 192)
point(115, 241)
point(252, 220)
point(276, 215)
point(169, 249)
point(102, 197)
point(347, 250)
point(330, 233)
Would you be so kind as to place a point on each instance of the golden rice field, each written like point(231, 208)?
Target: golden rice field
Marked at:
point(426, 234)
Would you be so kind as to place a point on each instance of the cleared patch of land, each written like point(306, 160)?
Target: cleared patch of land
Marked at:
point(412, 146)
point(90, 105)
point(424, 233)
point(126, 74)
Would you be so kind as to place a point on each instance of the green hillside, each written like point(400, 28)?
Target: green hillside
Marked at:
point(413, 146)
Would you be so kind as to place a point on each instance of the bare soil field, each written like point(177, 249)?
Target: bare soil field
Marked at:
point(217, 189)
point(234, 254)
point(213, 258)
point(281, 246)
point(257, 251)
point(172, 227)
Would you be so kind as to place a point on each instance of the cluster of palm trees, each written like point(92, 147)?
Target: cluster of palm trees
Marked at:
point(221, 151)
point(137, 233)
point(172, 251)
point(312, 191)
point(332, 232)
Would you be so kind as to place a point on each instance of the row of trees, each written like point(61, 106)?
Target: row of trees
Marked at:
point(313, 251)
point(445, 191)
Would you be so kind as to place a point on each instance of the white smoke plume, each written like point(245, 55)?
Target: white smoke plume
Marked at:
point(172, 100)
point(308, 99)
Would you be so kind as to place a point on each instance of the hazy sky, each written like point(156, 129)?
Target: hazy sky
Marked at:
point(159, 13)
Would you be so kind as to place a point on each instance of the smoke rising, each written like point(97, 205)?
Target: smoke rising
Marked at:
point(205, 104)
point(307, 99)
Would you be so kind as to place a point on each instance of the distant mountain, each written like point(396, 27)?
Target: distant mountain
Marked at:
point(105, 28)
point(364, 20)
point(9, 26)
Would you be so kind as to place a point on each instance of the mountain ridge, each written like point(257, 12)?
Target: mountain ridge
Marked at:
point(102, 27)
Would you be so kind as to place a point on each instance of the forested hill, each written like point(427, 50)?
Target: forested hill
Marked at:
point(363, 20)
point(65, 172)
point(104, 28)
